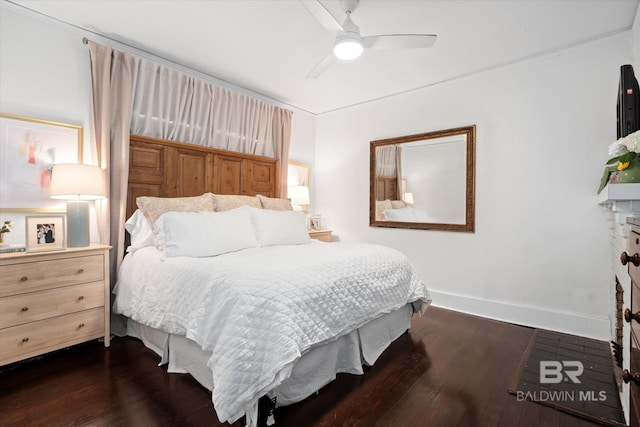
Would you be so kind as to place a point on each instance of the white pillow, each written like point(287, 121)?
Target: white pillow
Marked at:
point(408, 214)
point(397, 204)
point(140, 230)
point(279, 227)
point(202, 234)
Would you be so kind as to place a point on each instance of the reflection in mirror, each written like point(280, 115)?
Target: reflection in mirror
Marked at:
point(424, 181)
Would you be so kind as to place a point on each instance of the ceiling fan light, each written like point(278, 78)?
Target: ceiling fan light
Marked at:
point(347, 48)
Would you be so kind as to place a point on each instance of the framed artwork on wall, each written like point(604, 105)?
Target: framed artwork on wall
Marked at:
point(28, 149)
point(298, 174)
point(45, 232)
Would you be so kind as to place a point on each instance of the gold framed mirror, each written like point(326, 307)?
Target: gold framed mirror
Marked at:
point(424, 181)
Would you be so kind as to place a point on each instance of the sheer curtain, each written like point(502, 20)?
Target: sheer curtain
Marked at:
point(386, 160)
point(170, 104)
point(135, 95)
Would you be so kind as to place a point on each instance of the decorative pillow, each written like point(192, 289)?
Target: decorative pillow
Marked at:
point(224, 202)
point(398, 204)
point(153, 207)
point(381, 206)
point(279, 227)
point(140, 230)
point(275, 204)
point(202, 234)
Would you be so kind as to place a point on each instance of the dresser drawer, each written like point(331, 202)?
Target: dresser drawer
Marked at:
point(24, 308)
point(23, 277)
point(39, 337)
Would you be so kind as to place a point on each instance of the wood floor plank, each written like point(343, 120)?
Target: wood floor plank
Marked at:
point(451, 369)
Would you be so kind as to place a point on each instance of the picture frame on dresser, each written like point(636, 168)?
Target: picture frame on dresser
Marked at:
point(45, 232)
point(28, 149)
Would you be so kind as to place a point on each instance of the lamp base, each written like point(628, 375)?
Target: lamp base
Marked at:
point(77, 223)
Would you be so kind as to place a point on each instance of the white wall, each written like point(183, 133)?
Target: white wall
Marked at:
point(302, 150)
point(636, 41)
point(44, 73)
point(539, 255)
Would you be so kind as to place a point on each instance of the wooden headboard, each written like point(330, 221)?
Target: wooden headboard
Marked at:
point(386, 188)
point(160, 168)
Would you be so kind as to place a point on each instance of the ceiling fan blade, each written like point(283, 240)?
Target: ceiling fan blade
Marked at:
point(399, 41)
point(322, 66)
point(322, 15)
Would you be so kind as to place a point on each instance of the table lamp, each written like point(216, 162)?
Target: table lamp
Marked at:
point(407, 198)
point(299, 195)
point(77, 184)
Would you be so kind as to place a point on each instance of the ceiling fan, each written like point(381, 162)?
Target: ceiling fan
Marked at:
point(349, 43)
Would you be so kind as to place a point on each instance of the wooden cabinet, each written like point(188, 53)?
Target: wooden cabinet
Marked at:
point(632, 315)
point(51, 300)
point(322, 235)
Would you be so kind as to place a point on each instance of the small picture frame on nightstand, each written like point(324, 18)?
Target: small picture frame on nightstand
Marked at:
point(314, 222)
point(45, 232)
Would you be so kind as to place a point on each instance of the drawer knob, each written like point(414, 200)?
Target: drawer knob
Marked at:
point(25, 339)
point(80, 298)
point(634, 259)
point(81, 270)
point(81, 325)
point(24, 278)
point(629, 316)
point(24, 309)
point(627, 377)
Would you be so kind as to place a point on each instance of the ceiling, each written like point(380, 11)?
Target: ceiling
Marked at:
point(269, 46)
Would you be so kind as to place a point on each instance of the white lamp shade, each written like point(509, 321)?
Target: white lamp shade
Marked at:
point(77, 182)
point(299, 194)
point(408, 198)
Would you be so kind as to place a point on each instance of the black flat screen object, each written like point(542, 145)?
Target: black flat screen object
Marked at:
point(628, 111)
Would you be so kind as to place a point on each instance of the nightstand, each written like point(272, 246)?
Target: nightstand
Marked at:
point(322, 235)
point(52, 300)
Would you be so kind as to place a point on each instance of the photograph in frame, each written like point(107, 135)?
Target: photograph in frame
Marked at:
point(45, 232)
point(314, 222)
point(28, 149)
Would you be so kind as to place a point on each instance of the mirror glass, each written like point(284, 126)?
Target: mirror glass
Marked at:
point(424, 181)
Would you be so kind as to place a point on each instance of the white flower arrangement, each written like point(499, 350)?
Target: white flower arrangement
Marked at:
point(6, 227)
point(624, 151)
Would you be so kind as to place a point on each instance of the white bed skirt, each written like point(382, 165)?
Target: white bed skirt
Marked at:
point(312, 371)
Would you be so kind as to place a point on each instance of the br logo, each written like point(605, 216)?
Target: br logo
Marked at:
point(554, 372)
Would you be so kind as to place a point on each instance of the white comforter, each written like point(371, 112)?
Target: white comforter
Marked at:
point(258, 310)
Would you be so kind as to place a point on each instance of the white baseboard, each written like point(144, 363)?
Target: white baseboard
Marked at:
point(574, 324)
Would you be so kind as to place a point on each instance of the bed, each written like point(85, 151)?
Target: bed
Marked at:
point(231, 289)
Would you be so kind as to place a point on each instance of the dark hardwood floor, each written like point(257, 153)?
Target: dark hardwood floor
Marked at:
point(451, 369)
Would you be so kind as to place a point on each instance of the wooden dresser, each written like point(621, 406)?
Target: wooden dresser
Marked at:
point(631, 257)
point(51, 300)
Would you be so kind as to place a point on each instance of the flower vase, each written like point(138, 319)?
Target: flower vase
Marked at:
point(1, 237)
point(630, 174)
